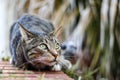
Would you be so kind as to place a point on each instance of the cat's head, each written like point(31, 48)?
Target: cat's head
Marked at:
point(42, 50)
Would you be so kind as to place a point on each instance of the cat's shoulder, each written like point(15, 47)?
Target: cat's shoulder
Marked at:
point(33, 18)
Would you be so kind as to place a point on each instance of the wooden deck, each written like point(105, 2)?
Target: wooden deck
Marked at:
point(8, 72)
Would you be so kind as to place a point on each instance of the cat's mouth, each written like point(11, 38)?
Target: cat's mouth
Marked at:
point(51, 63)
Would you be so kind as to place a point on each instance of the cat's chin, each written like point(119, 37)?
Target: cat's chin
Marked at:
point(50, 64)
point(56, 67)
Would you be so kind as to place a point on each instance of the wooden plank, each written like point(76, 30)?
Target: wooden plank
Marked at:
point(8, 72)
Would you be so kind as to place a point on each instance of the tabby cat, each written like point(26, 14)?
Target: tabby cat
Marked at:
point(33, 45)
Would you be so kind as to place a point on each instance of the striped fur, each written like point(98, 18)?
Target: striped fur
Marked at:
point(33, 46)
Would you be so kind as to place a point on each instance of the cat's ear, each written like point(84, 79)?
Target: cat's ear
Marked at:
point(24, 32)
point(56, 32)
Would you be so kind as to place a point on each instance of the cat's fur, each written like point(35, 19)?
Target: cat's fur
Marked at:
point(34, 46)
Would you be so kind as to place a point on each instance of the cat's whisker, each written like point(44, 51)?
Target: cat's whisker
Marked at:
point(65, 63)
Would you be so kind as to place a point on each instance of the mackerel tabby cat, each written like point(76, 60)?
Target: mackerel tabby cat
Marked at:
point(33, 45)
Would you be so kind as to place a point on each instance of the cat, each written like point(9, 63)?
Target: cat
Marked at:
point(33, 45)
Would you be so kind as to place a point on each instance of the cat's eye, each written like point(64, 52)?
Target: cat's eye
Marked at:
point(57, 46)
point(43, 46)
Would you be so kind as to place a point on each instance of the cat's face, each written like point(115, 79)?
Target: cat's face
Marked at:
point(42, 50)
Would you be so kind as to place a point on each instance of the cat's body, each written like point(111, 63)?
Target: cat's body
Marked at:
point(33, 45)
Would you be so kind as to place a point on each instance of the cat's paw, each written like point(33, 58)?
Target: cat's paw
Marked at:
point(56, 67)
point(68, 64)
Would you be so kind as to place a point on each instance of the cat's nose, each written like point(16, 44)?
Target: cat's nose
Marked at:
point(55, 60)
point(55, 55)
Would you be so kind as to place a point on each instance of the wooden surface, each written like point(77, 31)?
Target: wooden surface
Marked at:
point(8, 72)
